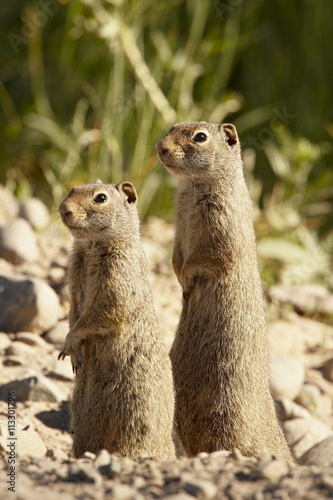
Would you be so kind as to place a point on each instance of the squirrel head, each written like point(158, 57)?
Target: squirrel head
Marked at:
point(195, 149)
point(101, 212)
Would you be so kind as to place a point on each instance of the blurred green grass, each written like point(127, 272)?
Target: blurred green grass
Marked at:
point(88, 87)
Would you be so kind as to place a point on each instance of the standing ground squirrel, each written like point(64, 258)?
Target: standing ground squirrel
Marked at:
point(123, 393)
point(220, 352)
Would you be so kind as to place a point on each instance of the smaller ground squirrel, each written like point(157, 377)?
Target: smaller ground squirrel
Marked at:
point(220, 351)
point(123, 396)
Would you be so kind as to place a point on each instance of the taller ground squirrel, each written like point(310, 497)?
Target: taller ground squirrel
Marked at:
point(123, 393)
point(220, 352)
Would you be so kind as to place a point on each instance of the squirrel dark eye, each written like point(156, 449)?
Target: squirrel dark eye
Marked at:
point(100, 198)
point(200, 137)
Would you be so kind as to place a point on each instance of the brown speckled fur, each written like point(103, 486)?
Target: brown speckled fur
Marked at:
point(123, 393)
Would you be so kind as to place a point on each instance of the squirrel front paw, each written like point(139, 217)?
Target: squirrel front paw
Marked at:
point(72, 348)
point(77, 360)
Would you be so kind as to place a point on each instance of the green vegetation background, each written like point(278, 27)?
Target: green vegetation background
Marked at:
point(88, 87)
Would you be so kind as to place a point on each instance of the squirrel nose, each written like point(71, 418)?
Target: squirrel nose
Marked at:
point(64, 211)
point(161, 149)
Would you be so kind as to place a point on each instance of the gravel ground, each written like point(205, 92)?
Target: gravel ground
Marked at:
point(38, 450)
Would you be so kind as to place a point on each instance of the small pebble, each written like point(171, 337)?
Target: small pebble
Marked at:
point(200, 488)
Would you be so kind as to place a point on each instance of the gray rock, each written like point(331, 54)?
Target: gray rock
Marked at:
point(288, 410)
point(57, 334)
point(103, 462)
point(200, 488)
point(328, 370)
point(21, 350)
point(295, 429)
point(309, 397)
point(293, 337)
point(18, 242)
point(287, 377)
point(57, 454)
point(321, 454)
point(115, 467)
point(30, 443)
point(78, 472)
point(303, 433)
point(35, 388)
point(122, 492)
point(274, 470)
point(179, 496)
point(89, 454)
point(285, 339)
point(31, 339)
point(13, 361)
point(62, 370)
point(27, 304)
point(9, 206)
point(306, 299)
point(5, 341)
point(35, 212)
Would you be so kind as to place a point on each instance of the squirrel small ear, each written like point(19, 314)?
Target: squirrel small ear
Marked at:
point(229, 132)
point(98, 181)
point(129, 190)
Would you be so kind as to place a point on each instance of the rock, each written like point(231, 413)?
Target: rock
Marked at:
point(313, 333)
point(12, 361)
point(27, 304)
point(31, 339)
point(303, 433)
point(122, 492)
point(5, 342)
point(295, 429)
point(293, 337)
point(305, 299)
point(328, 369)
point(288, 410)
point(309, 397)
point(57, 334)
point(21, 350)
point(274, 470)
point(35, 212)
point(103, 462)
point(57, 454)
point(179, 496)
point(200, 488)
point(30, 443)
point(35, 388)
point(9, 207)
point(285, 339)
point(115, 467)
point(78, 472)
point(18, 242)
point(321, 454)
point(62, 370)
point(287, 377)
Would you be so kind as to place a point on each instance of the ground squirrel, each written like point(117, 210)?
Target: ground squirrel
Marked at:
point(220, 352)
point(123, 393)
